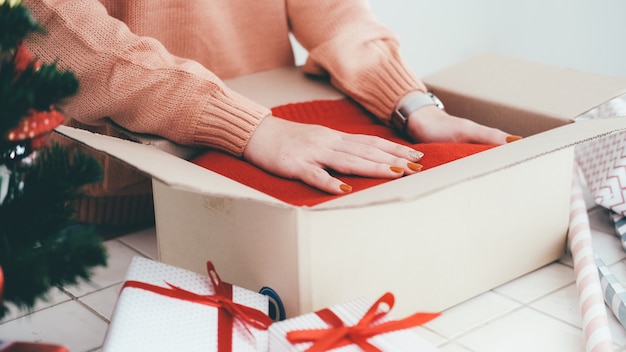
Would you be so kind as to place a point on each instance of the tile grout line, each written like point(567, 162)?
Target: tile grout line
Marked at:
point(546, 314)
point(522, 305)
point(476, 327)
point(139, 252)
point(88, 307)
point(28, 313)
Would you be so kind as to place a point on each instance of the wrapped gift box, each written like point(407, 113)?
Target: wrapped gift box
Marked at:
point(358, 314)
point(447, 225)
point(163, 317)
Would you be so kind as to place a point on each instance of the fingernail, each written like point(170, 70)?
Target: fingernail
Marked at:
point(510, 139)
point(346, 188)
point(415, 166)
point(397, 169)
point(415, 154)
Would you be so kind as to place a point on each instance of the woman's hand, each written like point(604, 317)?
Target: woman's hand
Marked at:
point(431, 124)
point(305, 152)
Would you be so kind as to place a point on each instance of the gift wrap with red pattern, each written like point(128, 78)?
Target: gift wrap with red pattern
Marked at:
point(165, 308)
point(603, 160)
point(357, 325)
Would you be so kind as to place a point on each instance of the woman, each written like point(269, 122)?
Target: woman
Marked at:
point(155, 66)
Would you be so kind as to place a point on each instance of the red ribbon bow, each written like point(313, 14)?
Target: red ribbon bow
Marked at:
point(339, 335)
point(228, 310)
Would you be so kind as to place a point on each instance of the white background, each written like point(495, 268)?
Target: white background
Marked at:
point(580, 34)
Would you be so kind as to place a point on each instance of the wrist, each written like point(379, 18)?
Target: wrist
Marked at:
point(409, 104)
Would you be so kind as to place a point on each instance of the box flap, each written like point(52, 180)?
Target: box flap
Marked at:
point(182, 174)
point(165, 167)
point(474, 166)
point(283, 85)
point(553, 95)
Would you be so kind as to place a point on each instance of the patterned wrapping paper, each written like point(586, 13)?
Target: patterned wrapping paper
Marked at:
point(147, 321)
point(350, 314)
point(603, 162)
point(614, 292)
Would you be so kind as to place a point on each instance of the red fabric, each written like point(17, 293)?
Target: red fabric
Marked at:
point(341, 115)
point(33, 347)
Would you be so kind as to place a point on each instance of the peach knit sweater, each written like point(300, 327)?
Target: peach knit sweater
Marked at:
point(154, 66)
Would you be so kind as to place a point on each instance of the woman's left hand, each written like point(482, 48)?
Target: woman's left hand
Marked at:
point(431, 124)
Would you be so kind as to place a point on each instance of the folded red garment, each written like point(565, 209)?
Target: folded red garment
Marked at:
point(342, 115)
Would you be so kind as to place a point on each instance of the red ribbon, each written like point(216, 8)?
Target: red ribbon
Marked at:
point(228, 310)
point(339, 335)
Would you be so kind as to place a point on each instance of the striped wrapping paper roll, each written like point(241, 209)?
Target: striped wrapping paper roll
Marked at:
point(614, 292)
point(590, 296)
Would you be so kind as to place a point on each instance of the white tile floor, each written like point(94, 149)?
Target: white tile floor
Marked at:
point(537, 312)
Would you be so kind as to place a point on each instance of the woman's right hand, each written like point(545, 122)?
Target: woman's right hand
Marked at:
point(305, 152)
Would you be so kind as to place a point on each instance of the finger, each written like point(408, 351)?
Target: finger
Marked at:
point(387, 146)
point(382, 151)
point(319, 178)
point(351, 164)
point(476, 133)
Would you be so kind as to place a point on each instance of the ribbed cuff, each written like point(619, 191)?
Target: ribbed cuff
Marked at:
point(374, 75)
point(230, 119)
point(381, 87)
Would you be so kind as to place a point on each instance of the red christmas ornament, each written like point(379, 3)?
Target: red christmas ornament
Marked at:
point(36, 127)
point(23, 58)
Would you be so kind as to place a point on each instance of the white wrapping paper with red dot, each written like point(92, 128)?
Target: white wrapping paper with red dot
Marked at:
point(147, 321)
point(603, 160)
point(350, 313)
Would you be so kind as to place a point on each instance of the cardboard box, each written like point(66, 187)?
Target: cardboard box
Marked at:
point(434, 239)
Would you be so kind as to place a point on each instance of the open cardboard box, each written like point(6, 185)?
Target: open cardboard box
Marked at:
point(434, 239)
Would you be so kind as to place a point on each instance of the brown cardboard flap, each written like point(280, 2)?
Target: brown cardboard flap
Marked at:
point(162, 166)
point(519, 96)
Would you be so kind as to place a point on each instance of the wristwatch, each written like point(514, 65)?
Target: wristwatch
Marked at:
point(400, 116)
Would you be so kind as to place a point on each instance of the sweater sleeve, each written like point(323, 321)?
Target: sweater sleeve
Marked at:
point(361, 56)
point(136, 82)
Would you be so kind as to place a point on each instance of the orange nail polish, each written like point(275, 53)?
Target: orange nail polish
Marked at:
point(415, 166)
point(397, 169)
point(510, 139)
point(346, 188)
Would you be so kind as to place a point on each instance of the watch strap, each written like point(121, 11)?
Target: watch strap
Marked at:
point(413, 103)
